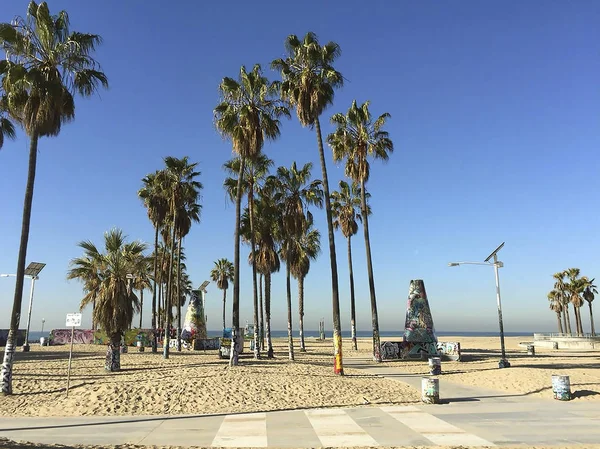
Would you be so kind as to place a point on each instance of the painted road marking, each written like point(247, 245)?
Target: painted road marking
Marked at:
point(335, 428)
point(247, 430)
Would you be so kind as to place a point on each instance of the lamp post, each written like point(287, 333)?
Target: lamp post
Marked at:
point(503, 363)
point(32, 271)
point(43, 322)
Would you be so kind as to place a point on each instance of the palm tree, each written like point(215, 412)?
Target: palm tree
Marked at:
point(255, 172)
point(561, 295)
point(356, 138)
point(222, 274)
point(179, 180)
point(307, 248)
point(142, 274)
point(575, 290)
point(589, 291)
point(248, 114)
point(157, 206)
point(116, 302)
point(45, 66)
point(346, 209)
point(188, 213)
point(308, 83)
point(293, 193)
point(557, 307)
point(267, 232)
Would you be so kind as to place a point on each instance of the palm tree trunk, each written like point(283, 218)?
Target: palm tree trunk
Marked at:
point(15, 318)
point(94, 314)
point(576, 320)
point(564, 317)
point(268, 315)
point(289, 307)
point(254, 283)
point(374, 316)
point(169, 296)
point(141, 305)
point(592, 319)
point(262, 316)
point(224, 301)
point(568, 316)
point(579, 320)
point(235, 316)
point(352, 297)
point(301, 312)
point(113, 354)
point(179, 295)
point(560, 328)
point(338, 367)
point(154, 342)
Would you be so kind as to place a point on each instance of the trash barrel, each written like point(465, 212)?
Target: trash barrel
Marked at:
point(430, 390)
point(561, 388)
point(140, 345)
point(435, 366)
point(530, 349)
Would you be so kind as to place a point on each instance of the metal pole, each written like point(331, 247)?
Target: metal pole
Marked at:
point(503, 362)
point(70, 355)
point(26, 345)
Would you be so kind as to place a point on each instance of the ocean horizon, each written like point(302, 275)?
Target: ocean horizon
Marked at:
point(34, 336)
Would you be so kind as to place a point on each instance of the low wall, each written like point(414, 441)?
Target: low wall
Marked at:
point(20, 337)
point(402, 350)
point(565, 341)
point(207, 344)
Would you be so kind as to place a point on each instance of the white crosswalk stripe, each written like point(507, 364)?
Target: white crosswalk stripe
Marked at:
point(247, 430)
point(335, 428)
point(434, 429)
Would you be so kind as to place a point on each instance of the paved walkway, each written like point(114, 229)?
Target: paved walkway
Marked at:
point(468, 417)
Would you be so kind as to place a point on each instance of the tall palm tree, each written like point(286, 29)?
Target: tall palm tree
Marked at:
point(188, 213)
point(308, 83)
point(556, 306)
point(142, 274)
point(575, 290)
point(589, 291)
point(255, 173)
point(307, 248)
point(247, 115)
point(356, 139)
point(222, 274)
point(267, 232)
point(156, 203)
point(179, 180)
point(293, 193)
point(562, 296)
point(116, 303)
point(346, 209)
point(46, 65)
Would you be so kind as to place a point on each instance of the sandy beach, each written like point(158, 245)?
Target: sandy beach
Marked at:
point(196, 382)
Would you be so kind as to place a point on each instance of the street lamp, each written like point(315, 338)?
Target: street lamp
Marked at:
point(43, 322)
point(32, 271)
point(504, 363)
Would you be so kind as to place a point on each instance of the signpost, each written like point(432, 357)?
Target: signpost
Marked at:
point(73, 319)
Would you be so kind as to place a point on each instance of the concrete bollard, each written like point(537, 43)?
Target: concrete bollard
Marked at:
point(530, 349)
point(435, 366)
point(430, 390)
point(561, 388)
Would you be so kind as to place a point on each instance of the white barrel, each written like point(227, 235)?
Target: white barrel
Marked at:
point(42, 341)
point(561, 388)
point(140, 345)
point(435, 366)
point(530, 350)
point(554, 345)
point(430, 390)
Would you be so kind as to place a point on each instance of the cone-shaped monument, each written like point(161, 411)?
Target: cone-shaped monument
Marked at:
point(418, 327)
point(195, 323)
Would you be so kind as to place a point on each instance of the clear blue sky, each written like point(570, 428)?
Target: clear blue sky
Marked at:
point(494, 106)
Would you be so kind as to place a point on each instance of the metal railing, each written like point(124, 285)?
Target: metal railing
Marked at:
point(550, 336)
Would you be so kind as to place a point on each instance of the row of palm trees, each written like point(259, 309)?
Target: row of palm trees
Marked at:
point(249, 113)
point(45, 66)
point(570, 288)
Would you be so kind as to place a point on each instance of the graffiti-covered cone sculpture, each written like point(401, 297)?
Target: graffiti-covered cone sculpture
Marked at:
point(194, 324)
point(418, 327)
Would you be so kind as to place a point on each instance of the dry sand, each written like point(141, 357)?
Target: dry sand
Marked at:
point(196, 382)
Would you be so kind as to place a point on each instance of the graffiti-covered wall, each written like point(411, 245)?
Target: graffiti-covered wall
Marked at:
point(63, 337)
point(394, 350)
point(4, 337)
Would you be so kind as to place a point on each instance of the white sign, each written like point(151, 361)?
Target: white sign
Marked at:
point(73, 319)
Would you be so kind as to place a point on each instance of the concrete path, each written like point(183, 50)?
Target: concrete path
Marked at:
point(468, 417)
